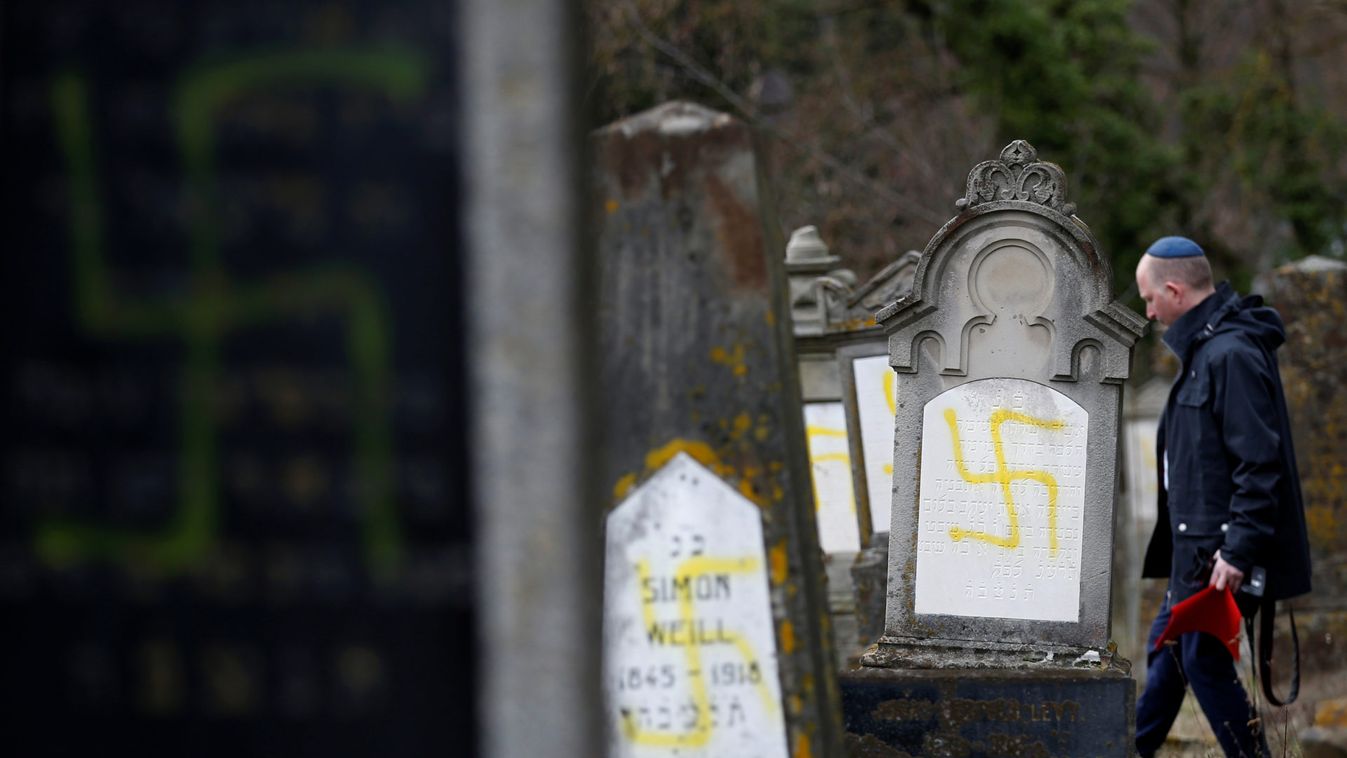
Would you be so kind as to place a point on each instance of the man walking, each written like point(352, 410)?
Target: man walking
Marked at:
point(1230, 494)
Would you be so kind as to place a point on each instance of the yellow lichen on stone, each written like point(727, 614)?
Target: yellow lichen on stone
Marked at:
point(624, 486)
point(1331, 713)
point(764, 428)
point(780, 563)
point(787, 637)
point(732, 358)
point(698, 451)
point(803, 748)
point(742, 423)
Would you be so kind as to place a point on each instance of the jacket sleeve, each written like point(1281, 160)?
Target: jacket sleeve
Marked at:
point(1249, 415)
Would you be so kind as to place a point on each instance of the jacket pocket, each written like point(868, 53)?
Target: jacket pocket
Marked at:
point(1195, 391)
point(1198, 525)
point(1197, 537)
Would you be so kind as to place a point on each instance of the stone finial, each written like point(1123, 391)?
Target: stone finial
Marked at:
point(808, 266)
point(1017, 175)
point(807, 250)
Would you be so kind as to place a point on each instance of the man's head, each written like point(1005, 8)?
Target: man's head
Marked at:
point(1173, 276)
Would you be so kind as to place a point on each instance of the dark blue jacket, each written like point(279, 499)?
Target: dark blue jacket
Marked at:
point(1232, 479)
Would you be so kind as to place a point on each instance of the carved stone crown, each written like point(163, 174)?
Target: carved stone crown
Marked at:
point(1018, 175)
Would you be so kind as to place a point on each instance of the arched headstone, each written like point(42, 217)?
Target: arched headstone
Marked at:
point(1008, 355)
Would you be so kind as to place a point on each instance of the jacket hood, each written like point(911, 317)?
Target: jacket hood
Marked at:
point(1222, 312)
point(1249, 315)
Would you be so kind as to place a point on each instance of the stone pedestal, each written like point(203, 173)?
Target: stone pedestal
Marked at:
point(870, 578)
point(1036, 710)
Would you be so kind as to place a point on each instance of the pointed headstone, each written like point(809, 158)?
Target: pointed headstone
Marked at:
point(699, 383)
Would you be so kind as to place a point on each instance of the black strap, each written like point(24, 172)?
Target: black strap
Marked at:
point(1263, 657)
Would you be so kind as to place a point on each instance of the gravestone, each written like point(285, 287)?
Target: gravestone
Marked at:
point(1009, 355)
point(870, 583)
point(835, 334)
point(244, 241)
point(842, 368)
point(235, 495)
point(867, 392)
point(817, 287)
point(716, 639)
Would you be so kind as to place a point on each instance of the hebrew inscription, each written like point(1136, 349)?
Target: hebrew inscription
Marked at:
point(1002, 502)
point(689, 645)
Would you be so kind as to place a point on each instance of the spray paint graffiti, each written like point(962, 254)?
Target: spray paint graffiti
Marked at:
point(1001, 495)
point(830, 468)
point(213, 306)
point(1004, 477)
point(890, 400)
point(876, 406)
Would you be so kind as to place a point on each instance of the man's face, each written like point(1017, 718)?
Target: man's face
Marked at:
point(1164, 300)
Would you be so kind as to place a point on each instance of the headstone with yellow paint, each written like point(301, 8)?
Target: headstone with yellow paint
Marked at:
point(1007, 358)
point(848, 407)
point(691, 662)
point(715, 631)
point(848, 410)
point(817, 287)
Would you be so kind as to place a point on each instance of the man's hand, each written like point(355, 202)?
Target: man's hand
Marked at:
point(1224, 575)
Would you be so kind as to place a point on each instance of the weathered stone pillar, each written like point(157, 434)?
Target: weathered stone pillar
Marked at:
point(1009, 356)
point(715, 630)
point(529, 284)
point(1311, 296)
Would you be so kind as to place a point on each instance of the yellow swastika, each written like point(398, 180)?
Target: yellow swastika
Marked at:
point(1005, 476)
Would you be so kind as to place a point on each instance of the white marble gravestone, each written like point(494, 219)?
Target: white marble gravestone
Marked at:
point(1002, 502)
point(690, 667)
point(875, 402)
point(830, 463)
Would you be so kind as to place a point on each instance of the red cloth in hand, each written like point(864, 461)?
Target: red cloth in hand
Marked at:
point(1208, 611)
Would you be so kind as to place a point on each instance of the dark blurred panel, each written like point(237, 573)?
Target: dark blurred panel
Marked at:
point(234, 516)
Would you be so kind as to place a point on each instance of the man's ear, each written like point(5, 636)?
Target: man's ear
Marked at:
point(1175, 290)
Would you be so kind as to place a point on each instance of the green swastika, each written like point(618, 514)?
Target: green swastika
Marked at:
point(213, 306)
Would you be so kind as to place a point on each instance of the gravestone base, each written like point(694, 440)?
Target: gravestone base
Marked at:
point(916, 653)
point(1051, 711)
point(870, 582)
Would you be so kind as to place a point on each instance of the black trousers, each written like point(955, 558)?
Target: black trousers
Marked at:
point(1202, 662)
